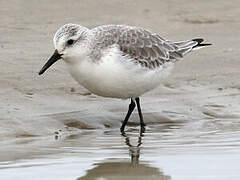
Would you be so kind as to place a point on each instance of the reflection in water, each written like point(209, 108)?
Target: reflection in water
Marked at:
point(118, 169)
point(134, 150)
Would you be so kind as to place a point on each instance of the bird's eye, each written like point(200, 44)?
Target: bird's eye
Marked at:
point(70, 42)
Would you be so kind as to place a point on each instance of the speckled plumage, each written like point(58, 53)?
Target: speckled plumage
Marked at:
point(146, 48)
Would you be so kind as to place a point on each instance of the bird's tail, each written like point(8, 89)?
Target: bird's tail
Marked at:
point(184, 47)
point(199, 44)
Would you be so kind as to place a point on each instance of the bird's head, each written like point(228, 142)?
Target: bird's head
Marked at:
point(70, 45)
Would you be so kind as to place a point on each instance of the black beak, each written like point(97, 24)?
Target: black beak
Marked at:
point(56, 56)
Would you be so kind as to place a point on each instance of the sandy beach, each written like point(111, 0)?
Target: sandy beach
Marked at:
point(52, 128)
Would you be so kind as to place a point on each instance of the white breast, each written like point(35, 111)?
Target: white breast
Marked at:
point(117, 76)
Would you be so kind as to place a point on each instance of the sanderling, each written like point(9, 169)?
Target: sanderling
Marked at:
point(118, 61)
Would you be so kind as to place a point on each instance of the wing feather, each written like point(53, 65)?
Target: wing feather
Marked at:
point(146, 48)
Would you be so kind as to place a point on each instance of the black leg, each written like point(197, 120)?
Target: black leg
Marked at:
point(131, 107)
point(140, 115)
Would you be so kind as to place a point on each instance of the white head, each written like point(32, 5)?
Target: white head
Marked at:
point(70, 41)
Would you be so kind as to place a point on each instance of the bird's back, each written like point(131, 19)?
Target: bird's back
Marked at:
point(148, 49)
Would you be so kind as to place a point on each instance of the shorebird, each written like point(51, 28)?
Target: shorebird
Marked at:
point(118, 61)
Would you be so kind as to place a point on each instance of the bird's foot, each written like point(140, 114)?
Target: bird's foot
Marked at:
point(122, 131)
point(142, 130)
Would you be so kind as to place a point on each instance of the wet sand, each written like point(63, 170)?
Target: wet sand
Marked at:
point(51, 128)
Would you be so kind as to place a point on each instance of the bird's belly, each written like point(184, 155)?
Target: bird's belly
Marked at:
point(116, 79)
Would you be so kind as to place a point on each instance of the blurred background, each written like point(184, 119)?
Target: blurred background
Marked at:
point(51, 128)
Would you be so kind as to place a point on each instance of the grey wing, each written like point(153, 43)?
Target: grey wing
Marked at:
point(143, 46)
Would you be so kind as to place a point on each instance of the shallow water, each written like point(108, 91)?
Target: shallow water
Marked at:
point(199, 150)
point(192, 133)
